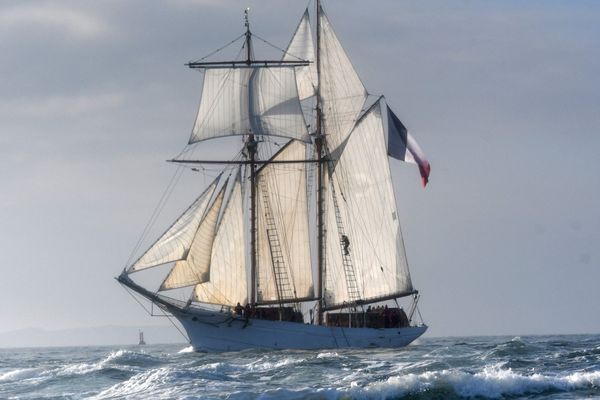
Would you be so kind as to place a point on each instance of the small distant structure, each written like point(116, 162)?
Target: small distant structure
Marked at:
point(142, 342)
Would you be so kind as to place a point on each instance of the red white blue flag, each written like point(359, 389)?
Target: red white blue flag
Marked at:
point(402, 146)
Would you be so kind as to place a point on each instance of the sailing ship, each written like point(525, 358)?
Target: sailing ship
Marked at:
point(295, 244)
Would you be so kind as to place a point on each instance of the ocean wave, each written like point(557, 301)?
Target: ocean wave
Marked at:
point(267, 364)
point(127, 357)
point(492, 382)
point(121, 360)
point(18, 374)
point(580, 354)
point(328, 354)
point(220, 370)
point(436, 370)
point(147, 382)
point(516, 347)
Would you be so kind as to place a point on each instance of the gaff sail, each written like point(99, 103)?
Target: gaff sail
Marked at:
point(283, 250)
point(361, 207)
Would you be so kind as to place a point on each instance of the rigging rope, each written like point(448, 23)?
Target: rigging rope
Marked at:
point(161, 204)
point(176, 327)
point(221, 48)
point(276, 47)
point(152, 315)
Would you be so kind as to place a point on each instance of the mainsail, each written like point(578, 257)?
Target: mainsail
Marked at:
point(284, 261)
point(253, 99)
point(365, 252)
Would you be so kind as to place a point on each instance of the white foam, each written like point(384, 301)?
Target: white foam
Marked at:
point(492, 382)
point(262, 365)
point(86, 368)
point(115, 355)
point(328, 354)
point(80, 369)
point(189, 349)
point(18, 374)
point(145, 382)
point(221, 368)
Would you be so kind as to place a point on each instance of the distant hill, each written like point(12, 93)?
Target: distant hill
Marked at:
point(93, 336)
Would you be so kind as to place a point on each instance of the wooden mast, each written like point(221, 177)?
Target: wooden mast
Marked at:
point(251, 146)
point(319, 148)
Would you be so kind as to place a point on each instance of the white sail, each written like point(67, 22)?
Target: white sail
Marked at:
point(228, 283)
point(195, 267)
point(342, 93)
point(301, 48)
point(174, 244)
point(260, 100)
point(283, 248)
point(368, 218)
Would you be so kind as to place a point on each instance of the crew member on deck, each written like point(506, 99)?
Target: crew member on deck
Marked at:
point(239, 309)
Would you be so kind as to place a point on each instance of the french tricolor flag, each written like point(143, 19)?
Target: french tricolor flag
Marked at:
point(402, 146)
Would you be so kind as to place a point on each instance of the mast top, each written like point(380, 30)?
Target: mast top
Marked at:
point(248, 37)
point(249, 61)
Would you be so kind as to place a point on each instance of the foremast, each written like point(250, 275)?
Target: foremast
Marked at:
point(251, 148)
point(267, 106)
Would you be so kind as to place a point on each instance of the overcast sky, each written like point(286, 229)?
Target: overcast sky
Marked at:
point(504, 98)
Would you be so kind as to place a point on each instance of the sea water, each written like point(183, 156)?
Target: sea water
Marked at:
point(528, 367)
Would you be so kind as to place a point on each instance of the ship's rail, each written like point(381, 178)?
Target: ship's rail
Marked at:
point(380, 318)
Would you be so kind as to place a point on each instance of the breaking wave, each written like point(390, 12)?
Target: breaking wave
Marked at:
point(18, 374)
point(491, 383)
point(464, 368)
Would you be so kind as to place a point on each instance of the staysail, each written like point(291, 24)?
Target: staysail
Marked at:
point(174, 244)
point(252, 99)
point(228, 283)
point(195, 268)
point(365, 256)
point(283, 253)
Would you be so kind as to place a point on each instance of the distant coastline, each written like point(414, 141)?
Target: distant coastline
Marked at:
point(92, 336)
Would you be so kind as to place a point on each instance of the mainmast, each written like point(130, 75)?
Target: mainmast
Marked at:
point(251, 146)
point(319, 148)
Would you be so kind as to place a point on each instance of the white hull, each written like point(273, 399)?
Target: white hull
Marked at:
point(215, 331)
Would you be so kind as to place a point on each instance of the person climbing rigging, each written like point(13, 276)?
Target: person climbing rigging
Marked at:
point(346, 244)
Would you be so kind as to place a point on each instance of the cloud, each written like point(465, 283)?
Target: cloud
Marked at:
point(211, 3)
point(57, 106)
point(70, 21)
